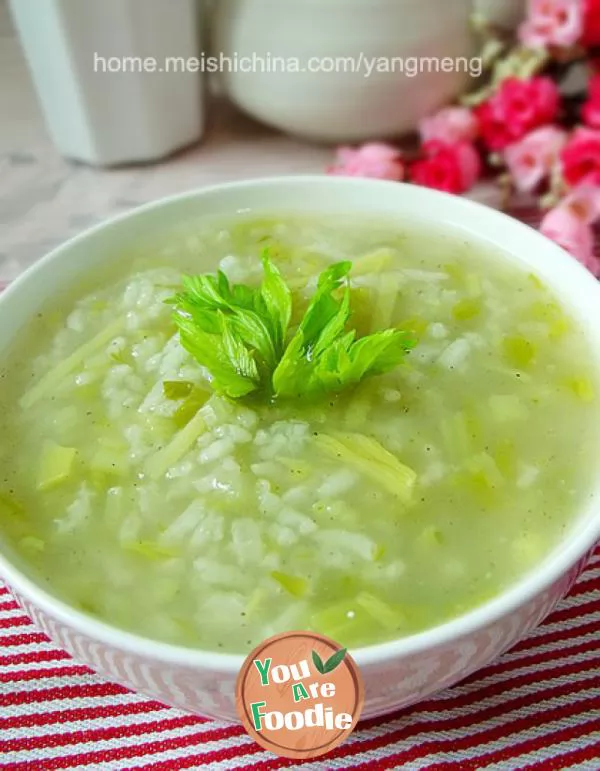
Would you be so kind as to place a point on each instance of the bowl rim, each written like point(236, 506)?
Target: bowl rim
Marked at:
point(552, 568)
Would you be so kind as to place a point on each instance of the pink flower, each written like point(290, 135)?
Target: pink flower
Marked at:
point(580, 157)
point(451, 167)
point(591, 23)
point(531, 159)
point(584, 202)
point(552, 23)
point(452, 124)
point(371, 160)
point(590, 112)
point(517, 107)
point(571, 232)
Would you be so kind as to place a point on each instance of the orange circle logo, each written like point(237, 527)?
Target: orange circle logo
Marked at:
point(299, 694)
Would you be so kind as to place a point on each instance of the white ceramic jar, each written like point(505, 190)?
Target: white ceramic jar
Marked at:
point(103, 100)
point(345, 105)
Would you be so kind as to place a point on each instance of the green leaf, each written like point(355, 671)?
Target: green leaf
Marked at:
point(209, 350)
point(334, 661)
point(240, 335)
point(318, 663)
point(277, 299)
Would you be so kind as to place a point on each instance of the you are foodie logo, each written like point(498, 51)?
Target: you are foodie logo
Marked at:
point(299, 695)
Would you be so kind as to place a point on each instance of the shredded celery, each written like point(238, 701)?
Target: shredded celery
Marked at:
point(300, 469)
point(582, 387)
point(32, 544)
point(536, 281)
point(110, 460)
point(177, 389)
point(383, 613)
point(456, 435)
point(416, 326)
point(149, 550)
point(484, 469)
point(369, 456)
point(505, 458)
point(10, 506)
point(159, 463)
point(190, 406)
point(56, 465)
point(384, 301)
point(52, 379)
point(466, 309)
point(255, 602)
point(528, 548)
point(373, 262)
point(518, 351)
point(473, 285)
point(295, 585)
point(343, 621)
point(115, 506)
point(431, 536)
point(507, 407)
point(359, 408)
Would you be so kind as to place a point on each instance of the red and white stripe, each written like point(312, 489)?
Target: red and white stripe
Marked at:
point(537, 707)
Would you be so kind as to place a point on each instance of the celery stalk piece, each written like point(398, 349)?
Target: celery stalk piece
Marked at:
point(342, 621)
point(373, 262)
point(295, 585)
point(369, 456)
point(255, 602)
point(456, 436)
point(384, 302)
point(359, 407)
point(507, 407)
point(161, 462)
point(379, 610)
point(518, 351)
point(483, 467)
point(10, 506)
point(582, 387)
point(56, 465)
point(46, 385)
point(431, 537)
point(177, 389)
point(466, 309)
point(32, 544)
point(300, 469)
point(109, 460)
point(473, 285)
point(149, 550)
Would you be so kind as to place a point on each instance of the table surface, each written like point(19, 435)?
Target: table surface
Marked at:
point(536, 707)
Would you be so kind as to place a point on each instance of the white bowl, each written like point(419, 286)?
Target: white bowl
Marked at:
point(397, 673)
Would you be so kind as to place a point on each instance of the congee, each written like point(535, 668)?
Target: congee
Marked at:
point(358, 427)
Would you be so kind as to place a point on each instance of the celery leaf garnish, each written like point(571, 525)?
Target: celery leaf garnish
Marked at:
point(240, 335)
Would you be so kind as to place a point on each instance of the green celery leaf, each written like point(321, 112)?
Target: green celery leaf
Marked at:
point(277, 299)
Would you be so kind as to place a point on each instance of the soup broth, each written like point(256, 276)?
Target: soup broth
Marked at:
point(140, 497)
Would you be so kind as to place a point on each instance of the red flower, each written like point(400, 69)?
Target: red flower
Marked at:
point(590, 112)
point(453, 168)
point(517, 107)
point(581, 157)
point(591, 23)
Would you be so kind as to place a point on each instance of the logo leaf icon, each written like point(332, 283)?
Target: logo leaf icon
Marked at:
point(318, 663)
point(334, 661)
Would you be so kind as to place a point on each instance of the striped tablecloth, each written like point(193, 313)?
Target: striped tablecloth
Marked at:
point(536, 707)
